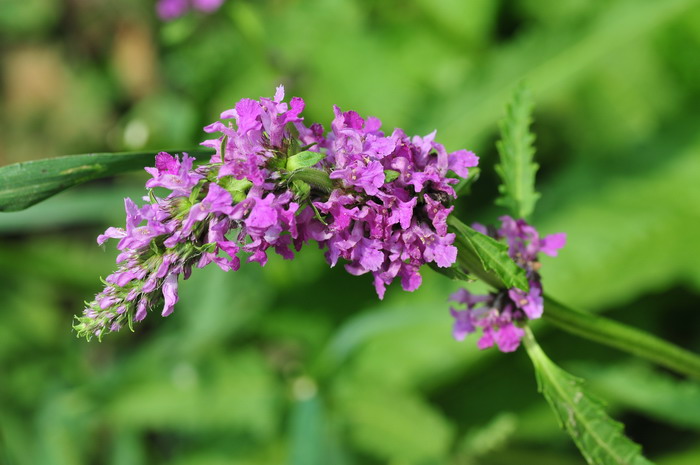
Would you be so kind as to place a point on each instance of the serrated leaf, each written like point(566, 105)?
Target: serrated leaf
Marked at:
point(599, 438)
point(516, 168)
point(390, 175)
point(24, 184)
point(491, 256)
point(304, 159)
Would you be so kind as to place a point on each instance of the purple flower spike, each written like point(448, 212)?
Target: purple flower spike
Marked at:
point(378, 203)
point(500, 313)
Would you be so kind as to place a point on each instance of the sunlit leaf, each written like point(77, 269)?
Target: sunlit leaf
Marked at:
point(304, 160)
point(517, 167)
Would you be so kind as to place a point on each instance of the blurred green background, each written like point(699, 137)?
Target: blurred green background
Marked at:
point(299, 364)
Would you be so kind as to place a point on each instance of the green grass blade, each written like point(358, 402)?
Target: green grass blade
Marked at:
point(517, 168)
point(599, 438)
point(25, 184)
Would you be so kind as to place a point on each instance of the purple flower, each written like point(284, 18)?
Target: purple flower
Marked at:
point(217, 201)
point(171, 9)
point(207, 6)
point(368, 178)
point(173, 174)
point(500, 313)
point(379, 203)
point(170, 294)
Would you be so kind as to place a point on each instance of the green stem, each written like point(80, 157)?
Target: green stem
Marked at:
point(623, 337)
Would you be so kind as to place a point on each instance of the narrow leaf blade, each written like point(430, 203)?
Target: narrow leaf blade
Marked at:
point(599, 438)
point(25, 184)
point(516, 168)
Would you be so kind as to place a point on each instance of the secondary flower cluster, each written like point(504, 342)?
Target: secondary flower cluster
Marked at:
point(171, 9)
point(379, 202)
point(498, 313)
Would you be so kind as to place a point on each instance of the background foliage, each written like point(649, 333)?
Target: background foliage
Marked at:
point(295, 363)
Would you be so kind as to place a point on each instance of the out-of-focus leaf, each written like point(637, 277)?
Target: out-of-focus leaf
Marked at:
point(307, 433)
point(517, 168)
point(129, 448)
point(618, 226)
point(686, 457)
point(395, 426)
point(216, 305)
point(549, 65)
point(492, 436)
point(24, 184)
point(599, 438)
point(650, 392)
point(239, 394)
point(82, 206)
point(62, 423)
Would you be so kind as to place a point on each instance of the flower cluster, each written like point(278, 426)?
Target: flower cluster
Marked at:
point(171, 9)
point(389, 215)
point(379, 202)
point(499, 313)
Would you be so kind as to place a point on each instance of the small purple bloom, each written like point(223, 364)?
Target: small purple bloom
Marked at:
point(217, 200)
point(171, 9)
point(172, 174)
point(207, 6)
point(169, 293)
point(368, 177)
point(499, 313)
point(463, 325)
point(461, 160)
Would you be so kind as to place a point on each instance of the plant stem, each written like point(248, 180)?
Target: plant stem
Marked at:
point(623, 337)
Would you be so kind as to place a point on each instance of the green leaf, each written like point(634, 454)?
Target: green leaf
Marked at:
point(308, 431)
point(24, 184)
point(304, 159)
point(486, 258)
point(301, 189)
point(648, 391)
point(599, 438)
point(393, 425)
point(517, 168)
point(390, 175)
point(315, 178)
